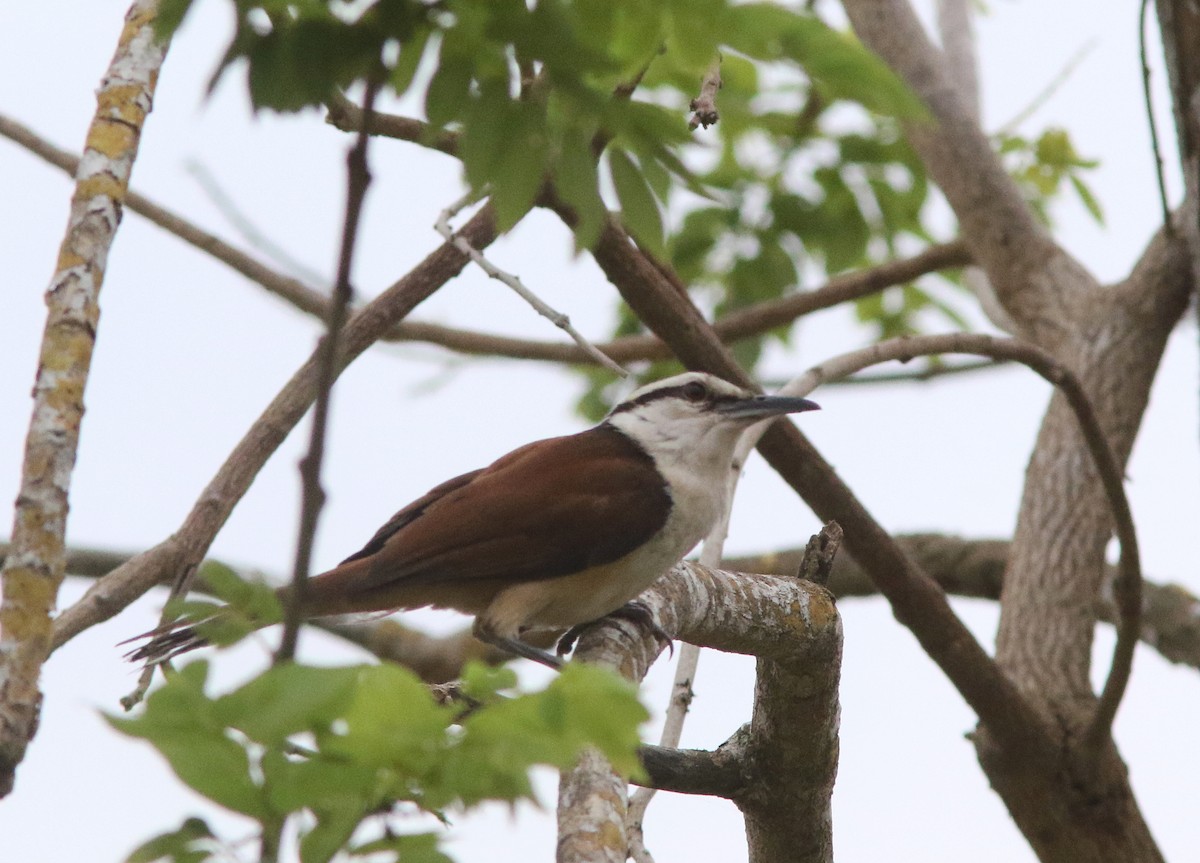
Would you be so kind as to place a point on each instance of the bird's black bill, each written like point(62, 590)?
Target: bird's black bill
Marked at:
point(761, 407)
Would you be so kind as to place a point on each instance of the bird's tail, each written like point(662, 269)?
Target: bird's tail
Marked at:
point(165, 643)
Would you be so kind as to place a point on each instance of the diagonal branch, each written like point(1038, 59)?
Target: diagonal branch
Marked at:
point(34, 570)
point(188, 545)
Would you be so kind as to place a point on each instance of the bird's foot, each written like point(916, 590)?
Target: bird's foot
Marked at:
point(634, 611)
point(517, 647)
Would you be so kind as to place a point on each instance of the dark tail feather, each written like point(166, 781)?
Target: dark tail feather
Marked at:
point(166, 643)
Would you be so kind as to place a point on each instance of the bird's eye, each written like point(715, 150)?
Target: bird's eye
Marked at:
point(695, 391)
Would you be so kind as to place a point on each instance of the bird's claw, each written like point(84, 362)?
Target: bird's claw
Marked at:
point(635, 612)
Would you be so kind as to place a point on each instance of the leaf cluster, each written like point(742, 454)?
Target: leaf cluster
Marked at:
point(340, 748)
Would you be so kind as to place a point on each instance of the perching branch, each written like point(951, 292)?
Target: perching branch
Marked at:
point(358, 178)
point(34, 570)
point(793, 627)
point(188, 545)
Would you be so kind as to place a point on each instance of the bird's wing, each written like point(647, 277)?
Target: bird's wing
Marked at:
point(545, 510)
point(413, 511)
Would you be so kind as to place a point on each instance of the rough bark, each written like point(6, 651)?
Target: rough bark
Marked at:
point(792, 626)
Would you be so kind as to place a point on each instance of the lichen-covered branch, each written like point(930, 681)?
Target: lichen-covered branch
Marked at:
point(34, 569)
point(791, 624)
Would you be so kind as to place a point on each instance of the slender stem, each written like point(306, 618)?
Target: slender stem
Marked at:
point(1154, 143)
point(313, 496)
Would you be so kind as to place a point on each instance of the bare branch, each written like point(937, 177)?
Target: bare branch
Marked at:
point(743, 323)
point(345, 115)
point(541, 307)
point(188, 545)
point(721, 773)
point(963, 567)
point(704, 106)
point(34, 570)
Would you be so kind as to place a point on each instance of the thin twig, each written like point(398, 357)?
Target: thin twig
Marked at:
point(557, 318)
point(1154, 142)
point(312, 494)
point(929, 373)
point(1048, 91)
point(251, 233)
point(704, 106)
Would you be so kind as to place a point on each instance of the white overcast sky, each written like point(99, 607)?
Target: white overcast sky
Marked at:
point(189, 353)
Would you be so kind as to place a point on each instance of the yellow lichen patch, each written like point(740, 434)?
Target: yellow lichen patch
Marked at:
point(111, 138)
point(611, 836)
point(136, 22)
point(121, 102)
point(28, 601)
point(821, 609)
point(68, 258)
point(101, 184)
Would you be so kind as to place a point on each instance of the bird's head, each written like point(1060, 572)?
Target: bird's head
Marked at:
point(697, 412)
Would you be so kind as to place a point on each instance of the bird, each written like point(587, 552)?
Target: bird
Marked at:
point(555, 535)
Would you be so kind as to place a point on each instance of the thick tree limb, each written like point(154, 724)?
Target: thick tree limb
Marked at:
point(187, 546)
point(34, 570)
point(793, 627)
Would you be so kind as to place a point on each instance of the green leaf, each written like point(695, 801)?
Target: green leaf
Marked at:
point(449, 89)
point(181, 722)
point(287, 699)
point(410, 848)
point(329, 836)
point(521, 166)
point(170, 16)
point(841, 64)
point(405, 69)
point(178, 846)
point(1088, 199)
point(639, 210)
point(578, 181)
point(391, 720)
point(319, 783)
